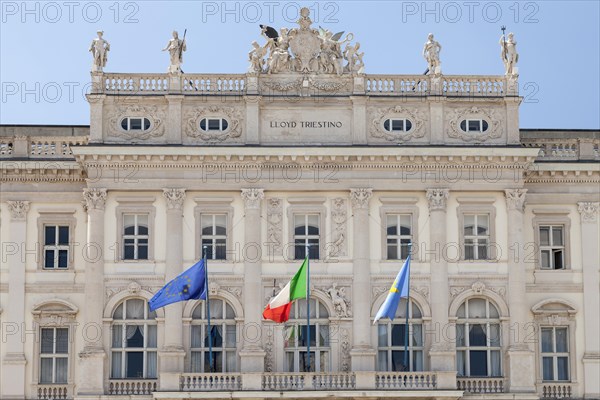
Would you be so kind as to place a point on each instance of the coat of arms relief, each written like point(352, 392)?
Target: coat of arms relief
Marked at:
point(305, 50)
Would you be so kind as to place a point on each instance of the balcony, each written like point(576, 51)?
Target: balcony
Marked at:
point(558, 390)
point(53, 392)
point(480, 385)
point(267, 385)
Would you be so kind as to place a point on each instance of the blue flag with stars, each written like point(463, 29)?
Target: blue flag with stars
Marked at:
point(398, 290)
point(189, 285)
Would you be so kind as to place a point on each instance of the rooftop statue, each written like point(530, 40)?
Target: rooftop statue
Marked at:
point(431, 53)
point(176, 47)
point(509, 54)
point(306, 50)
point(99, 49)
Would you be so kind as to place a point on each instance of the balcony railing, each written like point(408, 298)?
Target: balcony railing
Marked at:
point(555, 390)
point(53, 392)
point(373, 85)
point(132, 386)
point(308, 381)
point(205, 382)
point(481, 385)
point(405, 380)
point(39, 147)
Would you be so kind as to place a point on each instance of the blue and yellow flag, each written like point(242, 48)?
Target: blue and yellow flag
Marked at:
point(398, 290)
point(189, 285)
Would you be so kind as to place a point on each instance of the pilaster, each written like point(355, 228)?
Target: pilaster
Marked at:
point(91, 359)
point(252, 354)
point(252, 119)
point(174, 119)
point(521, 359)
point(442, 351)
point(14, 361)
point(590, 237)
point(172, 354)
point(359, 123)
point(362, 353)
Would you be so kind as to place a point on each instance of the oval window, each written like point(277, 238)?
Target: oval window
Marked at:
point(474, 125)
point(397, 125)
point(135, 124)
point(213, 124)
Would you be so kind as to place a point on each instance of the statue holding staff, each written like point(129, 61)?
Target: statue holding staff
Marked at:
point(176, 47)
point(509, 54)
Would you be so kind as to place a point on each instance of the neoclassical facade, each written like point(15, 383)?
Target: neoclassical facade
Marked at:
point(305, 148)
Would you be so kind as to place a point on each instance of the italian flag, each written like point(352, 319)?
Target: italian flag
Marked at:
point(279, 307)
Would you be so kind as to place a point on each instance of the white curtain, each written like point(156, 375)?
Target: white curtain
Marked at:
point(151, 364)
point(117, 338)
point(46, 370)
point(61, 370)
point(132, 329)
point(116, 371)
point(382, 361)
point(151, 340)
point(135, 309)
point(495, 363)
point(216, 309)
point(460, 363)
point(196, 361)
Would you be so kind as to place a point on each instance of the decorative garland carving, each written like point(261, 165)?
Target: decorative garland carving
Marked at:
point(456, 116)
point(175, 198)
point(252, 197)
point(153, 113)
point(515, 199)
point(436, 199)
point(94, 198)
point(283, 86)
point(269, 345)
point(328, 86)
point(339, 216)
point(275, 223)
point(233, 117)
point(360, 197)
point(345, 361)
point(380, 115)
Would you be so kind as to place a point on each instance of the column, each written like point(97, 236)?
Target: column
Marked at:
point(172, 353)
point(362, 353)
point(443, 349)
point(13, 365)
point(252, 355)
point(590, 237)
point(90, 374)
point(520, 357)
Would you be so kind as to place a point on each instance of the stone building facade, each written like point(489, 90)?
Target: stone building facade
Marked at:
point(504, 289)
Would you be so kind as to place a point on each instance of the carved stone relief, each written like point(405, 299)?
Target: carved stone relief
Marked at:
point(380, 115)
point(193, 117)
point(275, 224)
point(455, 117)
point(339, 217)
point(155, 114)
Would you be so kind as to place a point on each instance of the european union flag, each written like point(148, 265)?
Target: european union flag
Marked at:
point(189, 285)
point(398, 290)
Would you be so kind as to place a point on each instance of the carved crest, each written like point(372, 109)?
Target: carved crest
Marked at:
point(457, 116)
point(233, 116)
point(154, 115)
point(379, 116)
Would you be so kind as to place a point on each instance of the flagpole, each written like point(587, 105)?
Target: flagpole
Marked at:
point(210, 355)
point(407, 330)
point(308, 302)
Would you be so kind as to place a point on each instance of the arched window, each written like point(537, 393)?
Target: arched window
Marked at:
point(296, 338)
point(478, 346)
point(223, 332)
point(133, 341)
point(392, 340)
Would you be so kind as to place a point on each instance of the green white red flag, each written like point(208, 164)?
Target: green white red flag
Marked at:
point(279, 307)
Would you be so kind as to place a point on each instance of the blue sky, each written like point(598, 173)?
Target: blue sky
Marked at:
point(44, 59)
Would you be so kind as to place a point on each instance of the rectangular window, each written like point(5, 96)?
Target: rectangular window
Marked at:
point(56, 246)
point(555, 354)
point(306, 232)
point(214, 235)
point(399, 235)
point(476, 231)
point(135, 236)
point(552, 247)
point(54, 355)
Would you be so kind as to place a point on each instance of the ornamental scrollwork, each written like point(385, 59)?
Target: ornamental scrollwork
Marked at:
point(380, 115)
point(232, 115)
point(153, 113)
point(456, 116)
